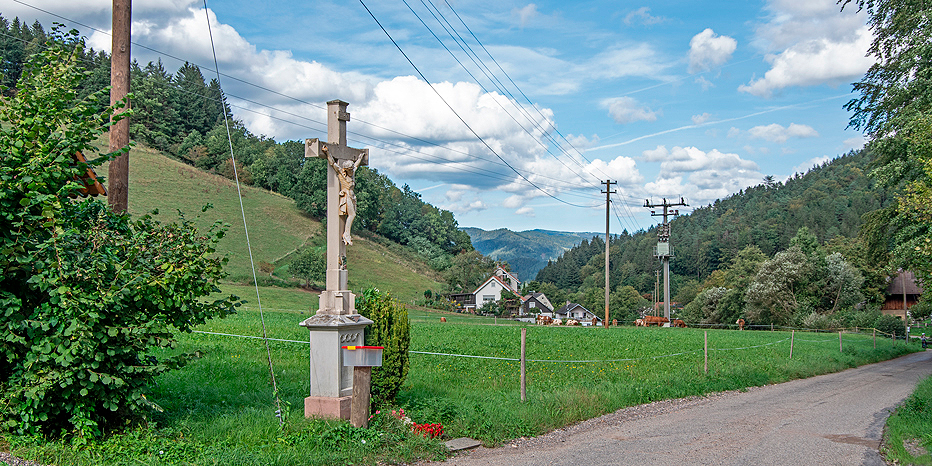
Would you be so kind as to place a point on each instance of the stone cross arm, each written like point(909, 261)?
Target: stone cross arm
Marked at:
point(315, 148)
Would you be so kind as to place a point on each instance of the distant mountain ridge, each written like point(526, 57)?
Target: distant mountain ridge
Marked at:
point(525, 251)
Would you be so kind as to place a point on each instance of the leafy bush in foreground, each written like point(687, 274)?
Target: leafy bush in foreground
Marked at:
point(84, 292)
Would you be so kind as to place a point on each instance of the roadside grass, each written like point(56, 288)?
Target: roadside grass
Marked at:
point(908, 435)
point(220, 408)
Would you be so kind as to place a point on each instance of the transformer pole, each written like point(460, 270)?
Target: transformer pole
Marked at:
point(664, 250)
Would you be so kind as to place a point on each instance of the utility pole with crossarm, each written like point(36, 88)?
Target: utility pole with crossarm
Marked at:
point(664, 250)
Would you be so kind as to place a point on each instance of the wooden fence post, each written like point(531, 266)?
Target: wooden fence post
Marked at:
point(840, 350)
point(359, 405)
point(705, 350)
point(792, 337)
point(875, 338)
point(523, 359)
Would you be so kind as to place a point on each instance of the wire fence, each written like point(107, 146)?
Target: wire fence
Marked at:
point(579, 361)
point(703, 352)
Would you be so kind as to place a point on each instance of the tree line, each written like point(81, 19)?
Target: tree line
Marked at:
point(183, 114)
point(788, 253)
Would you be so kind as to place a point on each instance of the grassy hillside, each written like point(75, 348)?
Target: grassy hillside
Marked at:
point(276, 228)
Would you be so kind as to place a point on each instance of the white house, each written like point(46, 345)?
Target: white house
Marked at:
point(576, 312)
point(491, 290)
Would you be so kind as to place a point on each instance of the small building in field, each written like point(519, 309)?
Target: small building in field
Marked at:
point(576, 312)
point(903, 291)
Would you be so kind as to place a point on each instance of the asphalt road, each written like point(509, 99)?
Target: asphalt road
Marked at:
point(833, 419)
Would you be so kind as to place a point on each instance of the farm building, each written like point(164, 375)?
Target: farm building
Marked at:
point(903, 292)
point(574, 311)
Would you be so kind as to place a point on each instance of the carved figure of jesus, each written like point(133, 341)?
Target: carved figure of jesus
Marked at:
point(346, 174)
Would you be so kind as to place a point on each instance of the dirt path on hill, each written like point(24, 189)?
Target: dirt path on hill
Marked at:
point(832, 419)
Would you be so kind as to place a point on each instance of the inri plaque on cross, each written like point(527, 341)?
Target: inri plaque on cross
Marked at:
point(342, 161)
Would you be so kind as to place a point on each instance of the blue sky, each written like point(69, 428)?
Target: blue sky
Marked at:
point(696, 99)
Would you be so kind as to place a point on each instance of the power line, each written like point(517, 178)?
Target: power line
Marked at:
point(553, 127)
point(491, 78)
point(526, 98)
point(486, 144)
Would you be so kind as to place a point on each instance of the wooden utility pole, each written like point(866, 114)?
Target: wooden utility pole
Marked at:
point(608, 202)
point(664, 251)
point(118, 174)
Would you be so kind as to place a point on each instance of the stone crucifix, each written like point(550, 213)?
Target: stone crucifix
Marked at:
point(342, 161)
point(336, 322)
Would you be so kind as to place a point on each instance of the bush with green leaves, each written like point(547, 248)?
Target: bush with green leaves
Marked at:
point(891, 324)
point(390, 329)
point(310, 265)
point(85, 294)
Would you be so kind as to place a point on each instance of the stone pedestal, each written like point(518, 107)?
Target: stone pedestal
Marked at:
point(331, 383)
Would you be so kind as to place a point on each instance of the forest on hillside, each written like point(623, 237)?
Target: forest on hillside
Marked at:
point(183, 115)
point(727, 244)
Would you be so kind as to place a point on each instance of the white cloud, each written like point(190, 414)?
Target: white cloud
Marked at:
point(526, 211)
point(779, 134)
point(700, 176)
point(560, 179)
point(810, 43)
point(455, 200)
point(700, 119)
point(661, 154)
point(582, 142)
point(790, 22)
point(513, 201)
point(642, 15)
point(708, 50)
point(705, 83)
point(623, 61)
point(525, 13)
point(628, 110)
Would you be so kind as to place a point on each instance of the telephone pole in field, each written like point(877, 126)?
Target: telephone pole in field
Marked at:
point(608, 202)
point(664, 250)
point(118, 173)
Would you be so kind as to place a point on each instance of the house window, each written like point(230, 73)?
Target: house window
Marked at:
point(488, 297)
point(532, 305)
